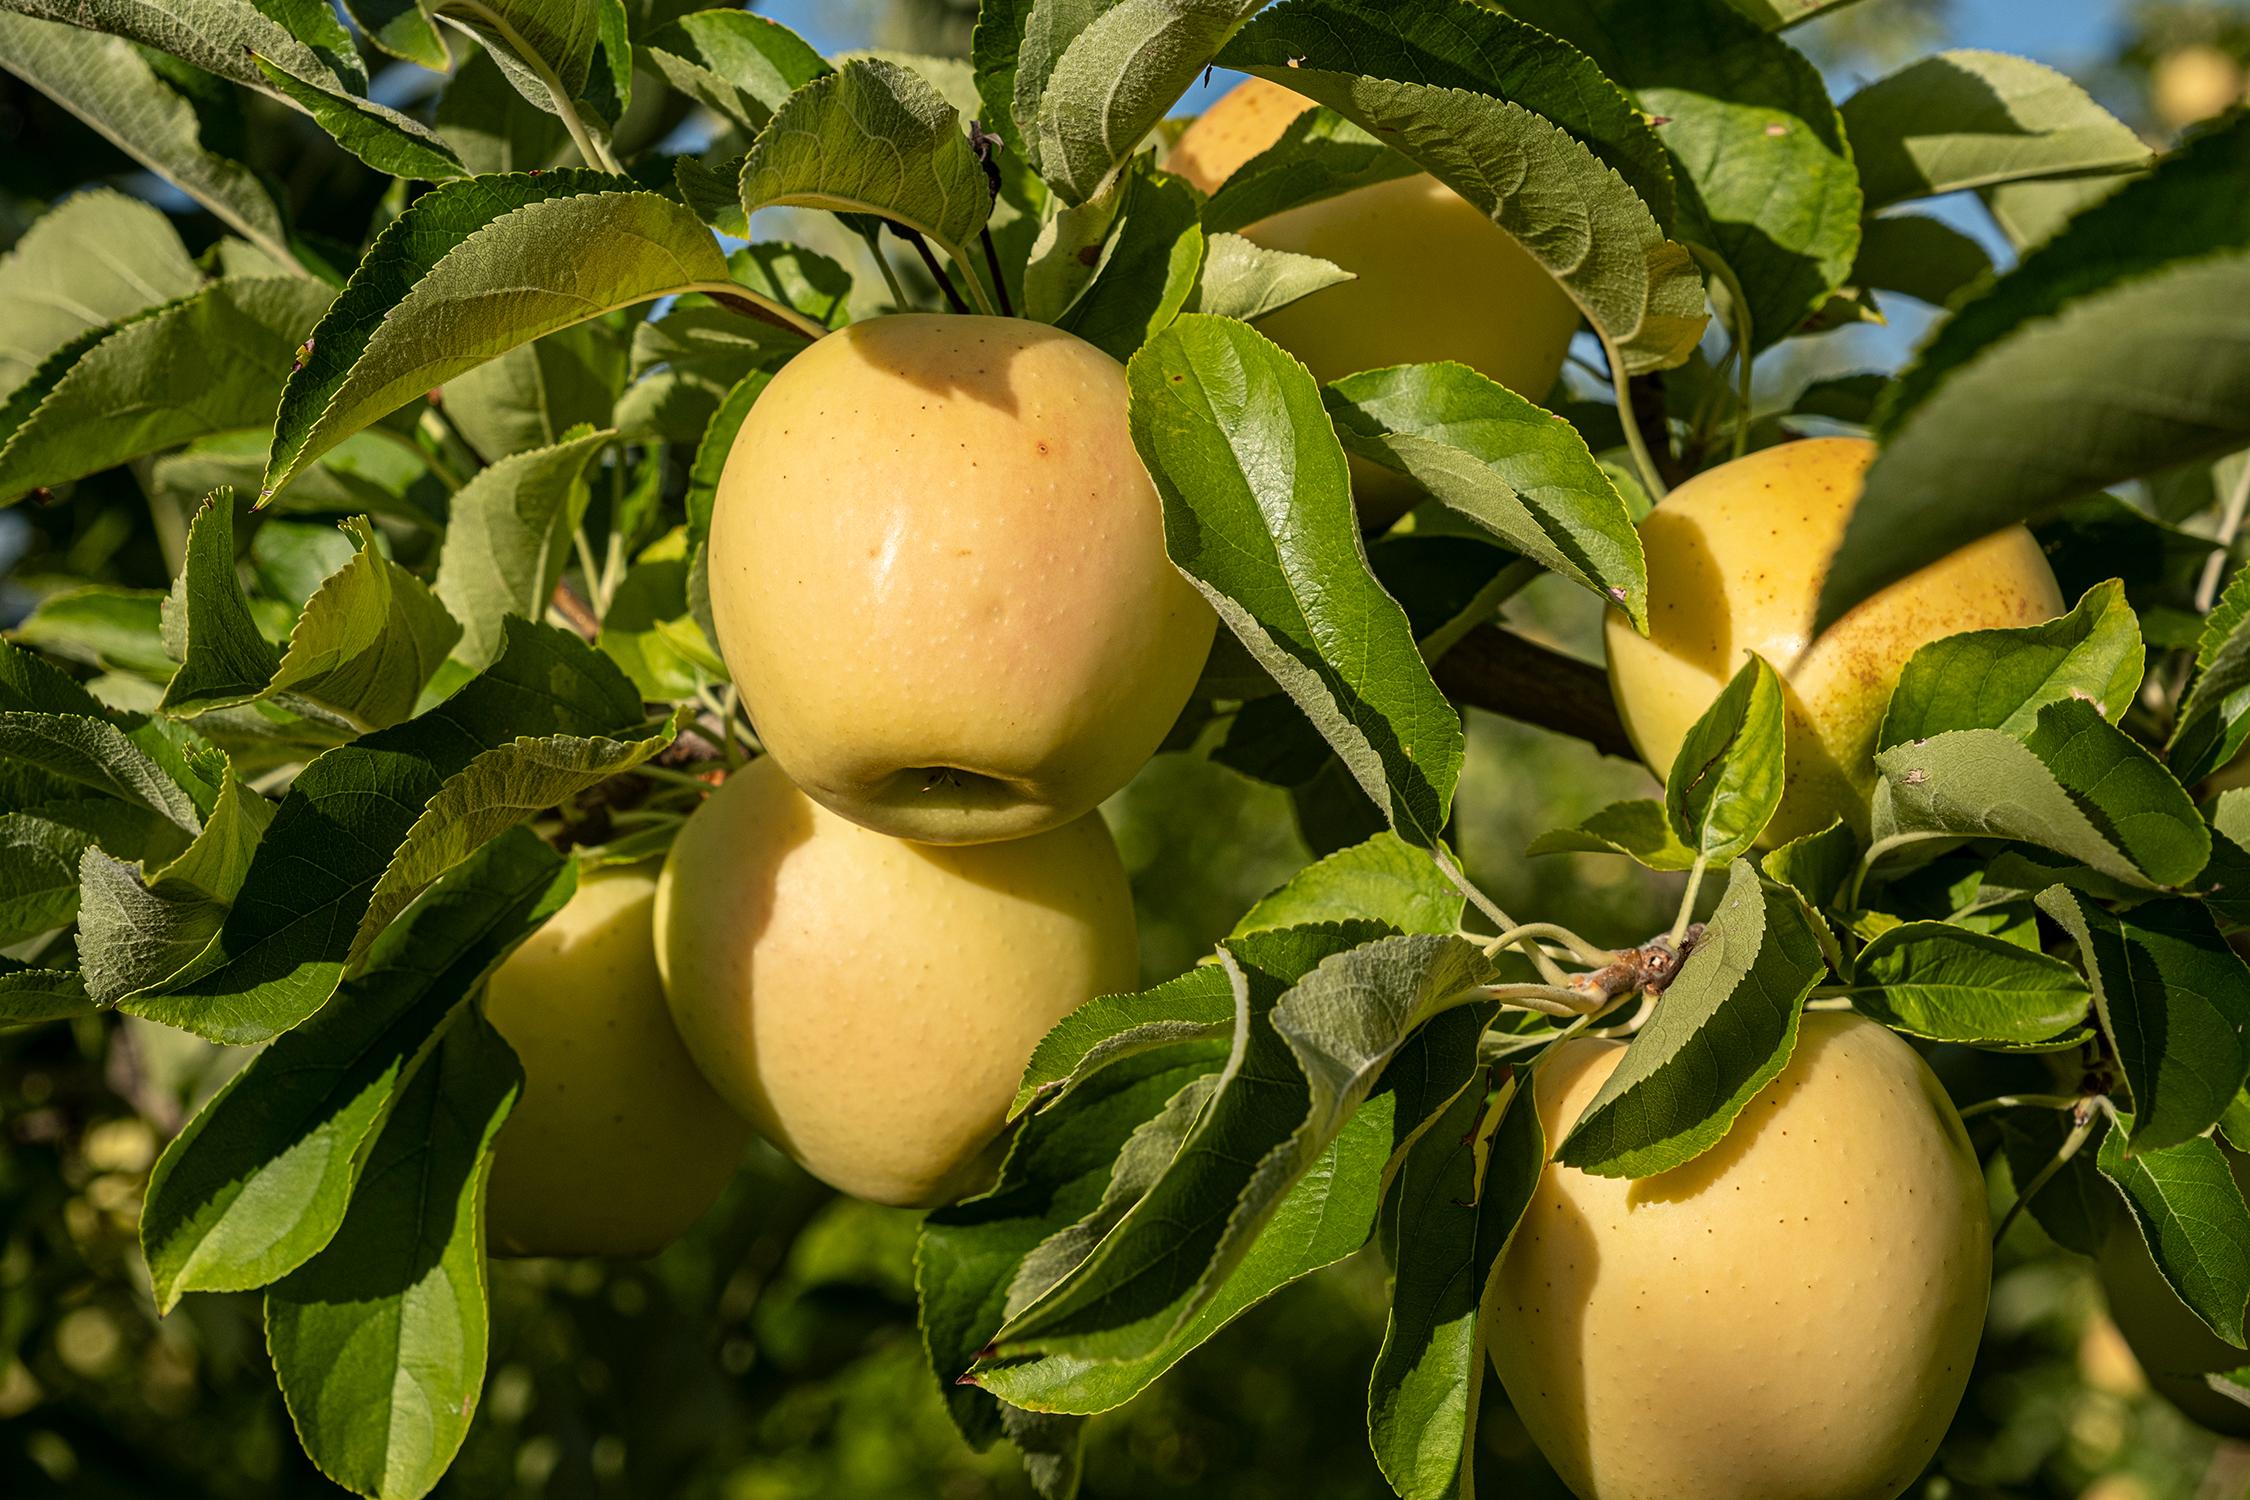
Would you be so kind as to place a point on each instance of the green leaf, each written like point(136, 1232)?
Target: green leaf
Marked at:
point(2022, 399)
point(93, 260)
point(305, 911)
point(2191, 1216)
point(1483, 104)
point(79, 755)
point(1258, 514)
point(738, 65)
point(1948, 984)
point(2001, 679)
point(381, 137)
point(1337, 1027)
point(1243, 279)
point(533, 394)
point(1920, 256)
point(2076, 1205)
point(1765, 177)
point(1384, 880)
point(1454, 1208)
point(1724, 1030)
point(257, 1183)
point(1091, 78)
point(509, 537)
point(1320, 155)
point(1324, 1217)
point(470, 270)
point(32, 997)
point(2078, 785)
point(134, 932)
point(106, 82)
point(873, 138)
point(218, 35)
point(1775, 15)
point(482, 117)
point(1726, 780)
point(1119, 267)
point(213, 361)
point(38, 875)
point(492, 794)
point(114, 629)
point(1640, 829)
point(1518, 471)
point(362, 651)
point(2213, 721)
point(1198, 1006)
point(1058, 1171)
point(1964, 119)
point(2174, 1001)
point(1815, 865)
point(380, 1340)
point(370, 473)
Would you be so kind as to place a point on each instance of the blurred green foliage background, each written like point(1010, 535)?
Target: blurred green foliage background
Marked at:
point(773, 1353)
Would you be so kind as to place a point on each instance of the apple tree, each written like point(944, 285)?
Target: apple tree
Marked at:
point(626, 681)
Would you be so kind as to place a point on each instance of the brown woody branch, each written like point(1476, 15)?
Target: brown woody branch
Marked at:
point(1494, 669)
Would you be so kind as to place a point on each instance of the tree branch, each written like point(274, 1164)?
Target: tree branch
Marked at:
point(1494, 669)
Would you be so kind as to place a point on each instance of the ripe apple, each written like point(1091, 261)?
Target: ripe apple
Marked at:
point(938, 575)
point(868, 1003)
point(2173, 1346)
point(1735, 561)
point(1789, 1316)
point(2193, 83)
point(617, 1144)
point(1436, 278)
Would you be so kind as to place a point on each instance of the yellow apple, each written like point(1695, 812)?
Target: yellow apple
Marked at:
point(938, 576)
point(1735, 561)
point(2193, 83)
point(1789, 1316)
point(617, 1144)
point(868, 1003)
point(2173, 1346)
point(1436, 278)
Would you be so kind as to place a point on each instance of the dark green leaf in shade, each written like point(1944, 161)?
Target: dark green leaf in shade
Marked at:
point(2174, 1001)
point(1454, 1206)
point(2035, 391)
point(258, 1181)
point(356, 830)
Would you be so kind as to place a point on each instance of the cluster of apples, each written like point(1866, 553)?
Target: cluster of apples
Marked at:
point(938, 576)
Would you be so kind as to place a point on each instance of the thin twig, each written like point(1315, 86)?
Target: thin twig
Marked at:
point(2022, 1101)
point(2046, 1174)
point(1500, 671)
point(992, 264)
point(929, 259)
